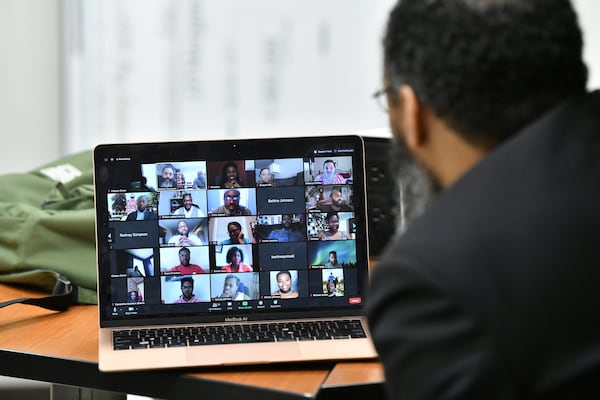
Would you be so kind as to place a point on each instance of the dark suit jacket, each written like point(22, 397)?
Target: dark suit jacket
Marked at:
point(494, 293)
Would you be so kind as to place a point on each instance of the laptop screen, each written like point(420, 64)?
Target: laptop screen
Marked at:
point(230, 230)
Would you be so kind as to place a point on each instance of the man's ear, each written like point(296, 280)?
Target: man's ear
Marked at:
point(411, 118)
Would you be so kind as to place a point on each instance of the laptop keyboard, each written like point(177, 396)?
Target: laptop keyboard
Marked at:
point(242, 333)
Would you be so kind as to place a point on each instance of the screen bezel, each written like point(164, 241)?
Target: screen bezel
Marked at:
point(108, 158)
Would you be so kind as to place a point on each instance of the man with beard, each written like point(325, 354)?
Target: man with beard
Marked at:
point(333, 261)
point(166, 179)
point(492, 292)
point(286, 233)
point(337, 202)
point(185, 267)
point(187, 292)
point(231, 205)
point(189, 209)
point(184, 237)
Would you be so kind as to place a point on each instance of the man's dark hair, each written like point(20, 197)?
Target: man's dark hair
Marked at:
point(187, 279)
point(184, 249)
point(486, 67)
point(165, 166)
point(184, 221)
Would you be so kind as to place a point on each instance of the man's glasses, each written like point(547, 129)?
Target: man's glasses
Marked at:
point(380, 97)
point(232, 197)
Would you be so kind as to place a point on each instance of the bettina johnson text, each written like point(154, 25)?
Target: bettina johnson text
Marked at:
point(277, 201)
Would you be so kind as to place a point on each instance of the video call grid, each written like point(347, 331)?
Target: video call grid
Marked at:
point(310, 219)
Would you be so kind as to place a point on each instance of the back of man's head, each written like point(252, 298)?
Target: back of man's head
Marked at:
point(486, 67)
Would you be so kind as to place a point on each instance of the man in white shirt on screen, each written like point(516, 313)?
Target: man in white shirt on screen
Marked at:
point(189, 209)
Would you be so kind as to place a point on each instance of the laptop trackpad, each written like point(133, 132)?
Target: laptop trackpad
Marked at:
point(232, 354)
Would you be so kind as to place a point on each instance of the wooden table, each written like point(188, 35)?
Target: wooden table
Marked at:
point(62, 348)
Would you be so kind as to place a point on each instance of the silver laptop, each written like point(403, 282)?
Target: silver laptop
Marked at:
point(231, 252)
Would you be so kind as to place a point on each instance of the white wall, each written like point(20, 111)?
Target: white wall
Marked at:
point(29, 83)
point(589, 15)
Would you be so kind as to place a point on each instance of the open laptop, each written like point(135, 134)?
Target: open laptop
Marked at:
point(231, 252)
